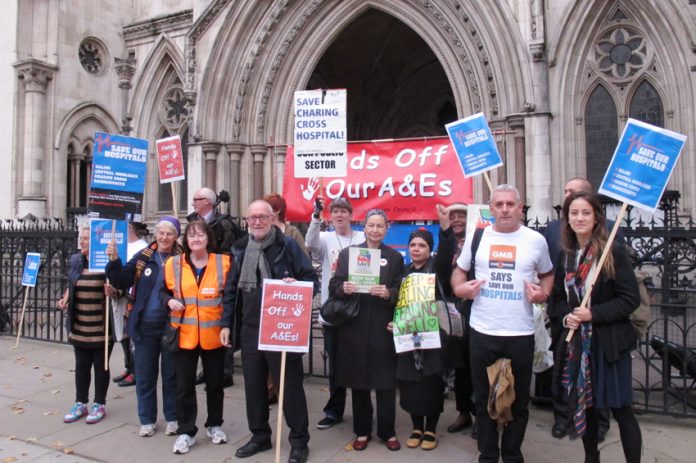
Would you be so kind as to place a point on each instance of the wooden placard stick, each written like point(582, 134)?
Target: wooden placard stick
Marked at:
point(21, 318)
point(488, 182)
point(281, 399)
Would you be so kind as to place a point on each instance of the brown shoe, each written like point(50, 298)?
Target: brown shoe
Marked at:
point(429, 441)
point(414, 440)
point(361, 443)
point(463, 421)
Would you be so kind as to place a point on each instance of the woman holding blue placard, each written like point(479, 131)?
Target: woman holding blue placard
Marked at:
point(144, 274)
point(593, 370)
point(85, 304)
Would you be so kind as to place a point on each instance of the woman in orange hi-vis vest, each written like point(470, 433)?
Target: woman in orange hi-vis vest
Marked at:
point(194, 282)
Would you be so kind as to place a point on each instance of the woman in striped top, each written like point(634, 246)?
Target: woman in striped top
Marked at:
point(85, 303)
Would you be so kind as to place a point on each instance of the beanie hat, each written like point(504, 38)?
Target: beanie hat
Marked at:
point(424, 234)
point(173, 221)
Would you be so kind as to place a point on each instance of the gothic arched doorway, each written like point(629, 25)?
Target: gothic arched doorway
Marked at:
point(396, 86)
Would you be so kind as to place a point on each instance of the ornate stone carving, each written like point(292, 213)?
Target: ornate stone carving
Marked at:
point(35, 74)
point(93, 55)
point(175, 109)
point(125, 69)
point(620, 53)
point(156, 26)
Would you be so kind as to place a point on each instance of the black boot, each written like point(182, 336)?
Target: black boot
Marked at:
point(592, 458)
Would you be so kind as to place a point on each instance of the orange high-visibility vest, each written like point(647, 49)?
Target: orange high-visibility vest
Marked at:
point(200, 324)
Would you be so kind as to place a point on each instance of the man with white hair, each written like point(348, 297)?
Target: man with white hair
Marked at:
point(266, 253)
point(225, 229)
point(509, 258)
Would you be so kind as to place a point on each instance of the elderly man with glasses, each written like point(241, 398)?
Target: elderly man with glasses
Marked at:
point(265, 253)
point(225, 230)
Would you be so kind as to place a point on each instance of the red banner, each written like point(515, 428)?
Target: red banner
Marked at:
point(405, 178)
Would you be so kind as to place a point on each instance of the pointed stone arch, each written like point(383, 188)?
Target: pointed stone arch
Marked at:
point(76, 130)
point(267, 53)
point(161, 77)
point(665, 29)
point(163, 65)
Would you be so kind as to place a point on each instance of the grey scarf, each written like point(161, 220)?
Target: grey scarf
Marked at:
point(254, 259)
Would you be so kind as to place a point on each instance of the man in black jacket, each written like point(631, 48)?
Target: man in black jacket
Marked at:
point(451, 239)
point(265, 254)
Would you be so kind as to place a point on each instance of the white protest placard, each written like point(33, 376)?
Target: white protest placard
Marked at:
point(320, 133)
point(642, 164)
point(472, 140)
point(363, 267)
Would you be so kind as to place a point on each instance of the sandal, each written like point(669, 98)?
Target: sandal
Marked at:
point(429, 441)
point(414, 440)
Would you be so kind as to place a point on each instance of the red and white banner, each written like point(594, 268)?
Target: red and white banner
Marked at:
point(170, 159)
point(286, 316)
point(405, 178)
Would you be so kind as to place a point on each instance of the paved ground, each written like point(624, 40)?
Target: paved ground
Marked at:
point(36, 389)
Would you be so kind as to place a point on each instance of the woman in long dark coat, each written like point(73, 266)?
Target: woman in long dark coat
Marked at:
point(593, 370)
point(366, 358)
point(419, 372)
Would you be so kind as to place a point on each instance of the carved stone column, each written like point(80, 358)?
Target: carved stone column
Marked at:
point(35, 75)
point(125, 69)
point(259, 153)
point(210, 153)
point(235, 151)
point(517, 125)
point(280, 154)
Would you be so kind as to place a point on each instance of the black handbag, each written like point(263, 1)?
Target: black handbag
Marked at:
point(170, 338)
point(336, 312)
point(451, 320)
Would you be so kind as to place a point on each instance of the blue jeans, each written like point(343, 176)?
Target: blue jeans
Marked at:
point(148, 357)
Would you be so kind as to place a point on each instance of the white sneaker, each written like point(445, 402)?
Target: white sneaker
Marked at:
point(148, 430)
point(183, 443)
point(216, 434)
point(172, 427)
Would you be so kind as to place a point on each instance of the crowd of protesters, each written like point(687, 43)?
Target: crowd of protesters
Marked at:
point(209, 286)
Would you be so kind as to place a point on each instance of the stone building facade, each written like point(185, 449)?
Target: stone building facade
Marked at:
point(556, 79)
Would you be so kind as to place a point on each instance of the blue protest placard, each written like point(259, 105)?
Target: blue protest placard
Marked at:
point(472, 140)
point(31, 269)
point(99, 239)
point(118, 177)
point(642, 164)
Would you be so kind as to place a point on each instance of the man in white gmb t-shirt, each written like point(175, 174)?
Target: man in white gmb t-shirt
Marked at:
point(509, 259)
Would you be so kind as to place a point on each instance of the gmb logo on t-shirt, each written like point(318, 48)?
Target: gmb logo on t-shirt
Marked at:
point(502, 257)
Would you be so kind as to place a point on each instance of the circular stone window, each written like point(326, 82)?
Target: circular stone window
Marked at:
point(93, 55)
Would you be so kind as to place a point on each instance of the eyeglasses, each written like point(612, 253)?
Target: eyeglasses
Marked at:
point(260, 218)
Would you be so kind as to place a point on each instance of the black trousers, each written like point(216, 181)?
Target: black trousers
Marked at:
point(485, 350)
point(386, 412)
point(186, 361)
point(256, 365)
point(128, 360)
point(463, 387)
point(87, 360)
point(629, 430)
point(336, 405)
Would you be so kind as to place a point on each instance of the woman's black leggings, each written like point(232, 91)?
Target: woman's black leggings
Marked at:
point(631, 439)
point(425, 423)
